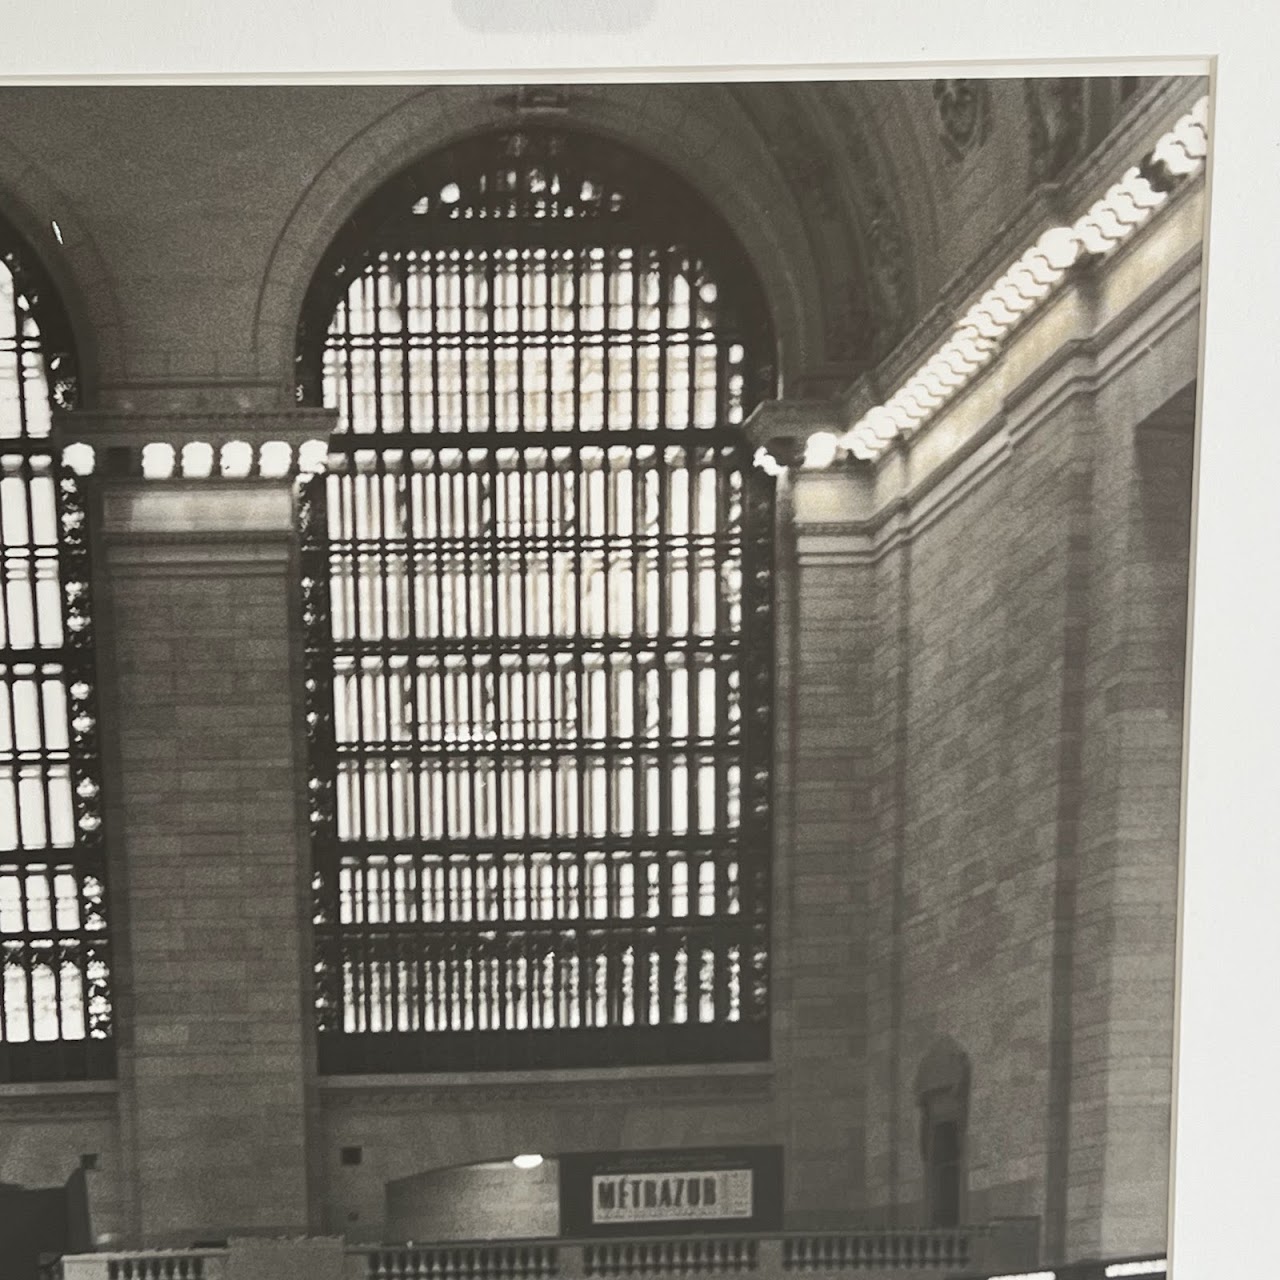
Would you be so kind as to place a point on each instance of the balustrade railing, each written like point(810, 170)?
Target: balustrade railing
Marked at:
point(167, 1264)
point(497, 1261)
point(974, 1253)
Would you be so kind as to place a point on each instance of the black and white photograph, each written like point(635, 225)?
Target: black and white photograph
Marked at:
point(593, 674)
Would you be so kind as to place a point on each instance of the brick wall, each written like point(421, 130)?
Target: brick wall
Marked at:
point(208, 843)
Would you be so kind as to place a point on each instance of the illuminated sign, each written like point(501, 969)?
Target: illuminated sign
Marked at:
point(636, 1192)
point(667, 1197)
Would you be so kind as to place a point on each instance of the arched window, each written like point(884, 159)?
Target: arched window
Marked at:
point(538, 594)
point(55, 1008)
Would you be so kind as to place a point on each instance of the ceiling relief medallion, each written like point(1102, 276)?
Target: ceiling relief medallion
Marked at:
point(1055, 111)
point(964, 115)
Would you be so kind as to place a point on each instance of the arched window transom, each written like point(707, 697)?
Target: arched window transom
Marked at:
point(538, 593)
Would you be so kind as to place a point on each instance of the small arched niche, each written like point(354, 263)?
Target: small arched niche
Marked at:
point(942, 1094)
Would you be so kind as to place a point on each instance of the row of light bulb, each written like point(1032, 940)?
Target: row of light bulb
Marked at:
point(198, 460)
point(978, 336)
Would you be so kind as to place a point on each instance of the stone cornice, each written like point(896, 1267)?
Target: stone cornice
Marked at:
point(62, 1100)
point(621, 1087)
point(1060, 356)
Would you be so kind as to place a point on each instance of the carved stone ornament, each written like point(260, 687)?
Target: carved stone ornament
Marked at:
point(964, 115)
point(888, 259)
point(1055, 111)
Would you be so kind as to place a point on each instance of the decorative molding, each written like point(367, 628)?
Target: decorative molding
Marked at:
point(964, 115)
point(48, 1105)
point(105, 429)
point(179, 511)
point(1055, 116)
point(981, 335)
point(1044, 206)
point(529, 1091)
point(773, 420)
point(887, 250)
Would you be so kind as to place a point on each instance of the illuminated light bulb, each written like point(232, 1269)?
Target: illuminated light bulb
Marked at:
point(984, 324)
point(1192, 136)
point(274, 459)
point(933, 382)
point(1173, 154)
point(902, 418)
point(1060, 247)
point(880, 424)
point(1041, 270)
point(235, 459)
point(312, 456)
point(158, 461)
point(1093, 238)
point(1012, 298)
point(529, 1161)
point(820, 450)
point(79, 458)
point(1024, 280)
point(767, 462)
point(197, 460)
point(994, 306)
point(1109, 220)
point(1140, 190)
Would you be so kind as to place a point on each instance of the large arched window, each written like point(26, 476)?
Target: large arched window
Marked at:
point(539, 609)
point(55, 1009)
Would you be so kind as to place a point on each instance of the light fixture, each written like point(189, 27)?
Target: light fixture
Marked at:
point(529, 1161)
point(1148, 1267)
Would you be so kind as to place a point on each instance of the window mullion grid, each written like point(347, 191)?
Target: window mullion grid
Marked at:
point(496, 696)
point(61, 651)
point(588, 935)
point(670, 629)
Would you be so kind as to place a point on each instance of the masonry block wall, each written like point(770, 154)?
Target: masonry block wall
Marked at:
point(1022, 864)
point(207, 858)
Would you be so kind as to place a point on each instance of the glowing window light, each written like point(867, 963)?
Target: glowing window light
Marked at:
point(79, 457)
point(235, 459)
point(1027, 1275)
point(197, 460)
point(158, 461)
point(275, 459)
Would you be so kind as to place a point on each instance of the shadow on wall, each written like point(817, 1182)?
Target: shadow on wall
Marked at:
point(39, 1223)
point(490, 1201)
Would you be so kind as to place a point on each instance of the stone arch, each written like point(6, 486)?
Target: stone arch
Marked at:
point(74, 263)
point(711, 149)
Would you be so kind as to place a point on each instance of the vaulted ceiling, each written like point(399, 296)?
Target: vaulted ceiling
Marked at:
point(860, 202)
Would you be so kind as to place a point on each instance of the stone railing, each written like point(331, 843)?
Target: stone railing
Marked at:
point(871, 1253)
point(175, 1264)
